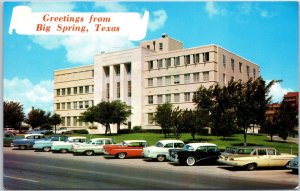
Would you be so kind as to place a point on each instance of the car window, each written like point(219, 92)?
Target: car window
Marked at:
point(211, 148)
point(245, 151)
point(178, 145)
point(261, 152)
point(169, 145)
point(108, 142)
point(188, 148)
point(202, 148)
point(55, 139)
point(159, 144)
point(99, 142)
point(30, 137)
point(271, 151)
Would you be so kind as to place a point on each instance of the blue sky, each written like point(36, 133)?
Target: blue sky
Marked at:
point(265, 33)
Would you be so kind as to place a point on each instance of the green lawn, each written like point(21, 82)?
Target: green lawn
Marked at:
point(238, 139)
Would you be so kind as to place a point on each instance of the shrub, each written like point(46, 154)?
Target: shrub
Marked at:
point(81, 131)
point(137, 129)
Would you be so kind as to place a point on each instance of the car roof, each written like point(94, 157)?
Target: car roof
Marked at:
point(71, 138)
point(94, 139)
point(196, 145)
point(134, 141)
point(170, 141)
point(34, 134)
point(251, 147)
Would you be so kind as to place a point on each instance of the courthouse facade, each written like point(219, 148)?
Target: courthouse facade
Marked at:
point(155, 72)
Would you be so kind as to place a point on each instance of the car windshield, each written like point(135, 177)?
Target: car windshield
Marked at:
point(188, 148)
point(159, 144)
point(245, 151)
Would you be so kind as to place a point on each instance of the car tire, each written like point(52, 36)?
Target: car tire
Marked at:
point(190, 161)
point(295, 171)
point(161, 158)
point(251, 166)
point(89, 153)
point(46, 149)
point(121, 155)
point(22, 147)
point(63, 150)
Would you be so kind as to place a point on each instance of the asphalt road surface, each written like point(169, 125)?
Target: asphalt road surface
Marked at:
point(30, 170)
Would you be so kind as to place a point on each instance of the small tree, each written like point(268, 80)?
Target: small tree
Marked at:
point(106, 113)
point(163, 117)
point(13, 114)
point(287, 119)
point(55, 120)
point(37, 118)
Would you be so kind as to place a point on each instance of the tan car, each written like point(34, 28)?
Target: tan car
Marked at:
point(253, 157)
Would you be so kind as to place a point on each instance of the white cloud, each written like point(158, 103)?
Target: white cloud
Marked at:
point(38, 95)
point(277, 92)
point(213, 10)
point(111, 6)
point(51, 6)
point(158, 20)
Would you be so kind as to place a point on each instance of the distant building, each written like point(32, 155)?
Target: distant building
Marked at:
point(292, 98)
point(156, 72)
point(272, 109)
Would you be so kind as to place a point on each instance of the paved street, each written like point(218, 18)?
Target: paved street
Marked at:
point(32, 170)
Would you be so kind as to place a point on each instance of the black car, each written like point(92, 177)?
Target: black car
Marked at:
point(193, 153)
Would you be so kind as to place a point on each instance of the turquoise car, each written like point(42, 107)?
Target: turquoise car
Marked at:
point(46, 145)
point(66, 146)
point(94, 146)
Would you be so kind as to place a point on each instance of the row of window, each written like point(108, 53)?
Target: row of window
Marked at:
point(74, 105)
point(73, 121)
point(188, 78)
point(187, 97)
point(232, 62)
point(176, 60)
point(118, 86)
point(75, 90)
point(82, 75)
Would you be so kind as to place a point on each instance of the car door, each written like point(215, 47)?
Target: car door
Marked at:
point(275, 159)
point(201, 153)
point(262, 158)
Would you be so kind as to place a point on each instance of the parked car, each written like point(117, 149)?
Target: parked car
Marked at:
point(293, 164)
point(128, 148)
point(66, 146)
point(39, 131)
point(195, 152)
point(161, 149)
point(62, 130)
point(11, 130)
point(46, 144)
point(93, 146)
point(253, 157)
point(28, 141)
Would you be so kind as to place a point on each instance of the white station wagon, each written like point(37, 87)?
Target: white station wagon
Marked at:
point(161, 149)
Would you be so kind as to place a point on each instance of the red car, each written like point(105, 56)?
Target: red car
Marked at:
point(128, 148)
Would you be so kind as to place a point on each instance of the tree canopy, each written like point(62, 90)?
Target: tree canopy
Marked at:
point(13, 114)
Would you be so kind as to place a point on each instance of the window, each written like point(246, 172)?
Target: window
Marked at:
point(86, 103)
point(63, 91)
point(224, 60)
point(159, 63)
point(248, 71)
point(150, 99)
point(240, 66)
point(205, 76)
point(93, 73)
point(92, 89)
point(63, 121)
point(87, 89)
point(187, 59)
point(160, 46)
point(69, 105)
point(58, 92)
point(254, 73)
point(169, 145)
point(186, 78)
point(177, 61)
point(224, 78)
point(75, 90)
point(196, 58)
point(159, 81)
point(75, 105)
point(271, 151)
point(168, 80)
point(168, 62)
point(176, 97)
point(150, 82)
point(261, 152)
point(168, 98)
point(232, 64)
point(150, 65)
point(107, 91)
point(187, 96)
point(232, 78)
point(81, 89)
point(148, 46)
point(118, 90)
point(74, 121)
point(58, 106)
point(69, 91)
point(129, 88)
point(117, 69)
point(81, 105)
point(196, 77)
point(150, 118)
point(92, 102)
point(68, 121)
point(159, 99)
point(176, 79)
point(63, 105)
point(206, 56)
